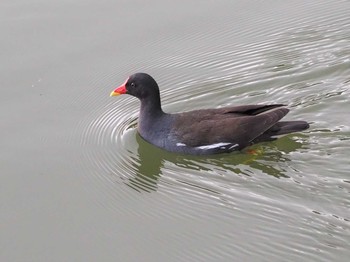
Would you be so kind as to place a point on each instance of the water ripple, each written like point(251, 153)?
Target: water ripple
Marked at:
point(305, 67)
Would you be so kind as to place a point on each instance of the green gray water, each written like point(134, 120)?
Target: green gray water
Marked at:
point(79, 184)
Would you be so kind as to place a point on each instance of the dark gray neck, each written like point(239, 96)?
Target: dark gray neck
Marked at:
point(150, 113)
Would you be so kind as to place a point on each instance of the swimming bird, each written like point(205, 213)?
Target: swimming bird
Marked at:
point(204, 131)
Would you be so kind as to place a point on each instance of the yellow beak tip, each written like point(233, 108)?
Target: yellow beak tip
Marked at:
point(114, 94)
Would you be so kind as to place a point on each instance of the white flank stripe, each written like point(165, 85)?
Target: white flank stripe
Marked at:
point(221, 145)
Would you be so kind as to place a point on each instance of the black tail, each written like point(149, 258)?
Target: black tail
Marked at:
point(282, 128)
point(286, 127)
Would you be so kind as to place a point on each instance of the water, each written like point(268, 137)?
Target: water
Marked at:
point(79, 184)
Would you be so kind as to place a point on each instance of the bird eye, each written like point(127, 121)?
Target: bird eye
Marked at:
point(132, 84)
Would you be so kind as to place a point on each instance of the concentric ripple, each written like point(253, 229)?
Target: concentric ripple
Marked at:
point(305, 67)
point(111, 146)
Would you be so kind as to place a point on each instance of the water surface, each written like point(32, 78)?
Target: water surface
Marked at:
point(79, 184)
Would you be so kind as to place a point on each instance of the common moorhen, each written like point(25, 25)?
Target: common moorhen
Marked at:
point(206, 131)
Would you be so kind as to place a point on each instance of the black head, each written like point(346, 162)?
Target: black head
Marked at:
point(140, 85)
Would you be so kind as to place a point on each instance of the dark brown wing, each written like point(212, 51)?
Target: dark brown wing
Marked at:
point(249, 109)
point(239, 125)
